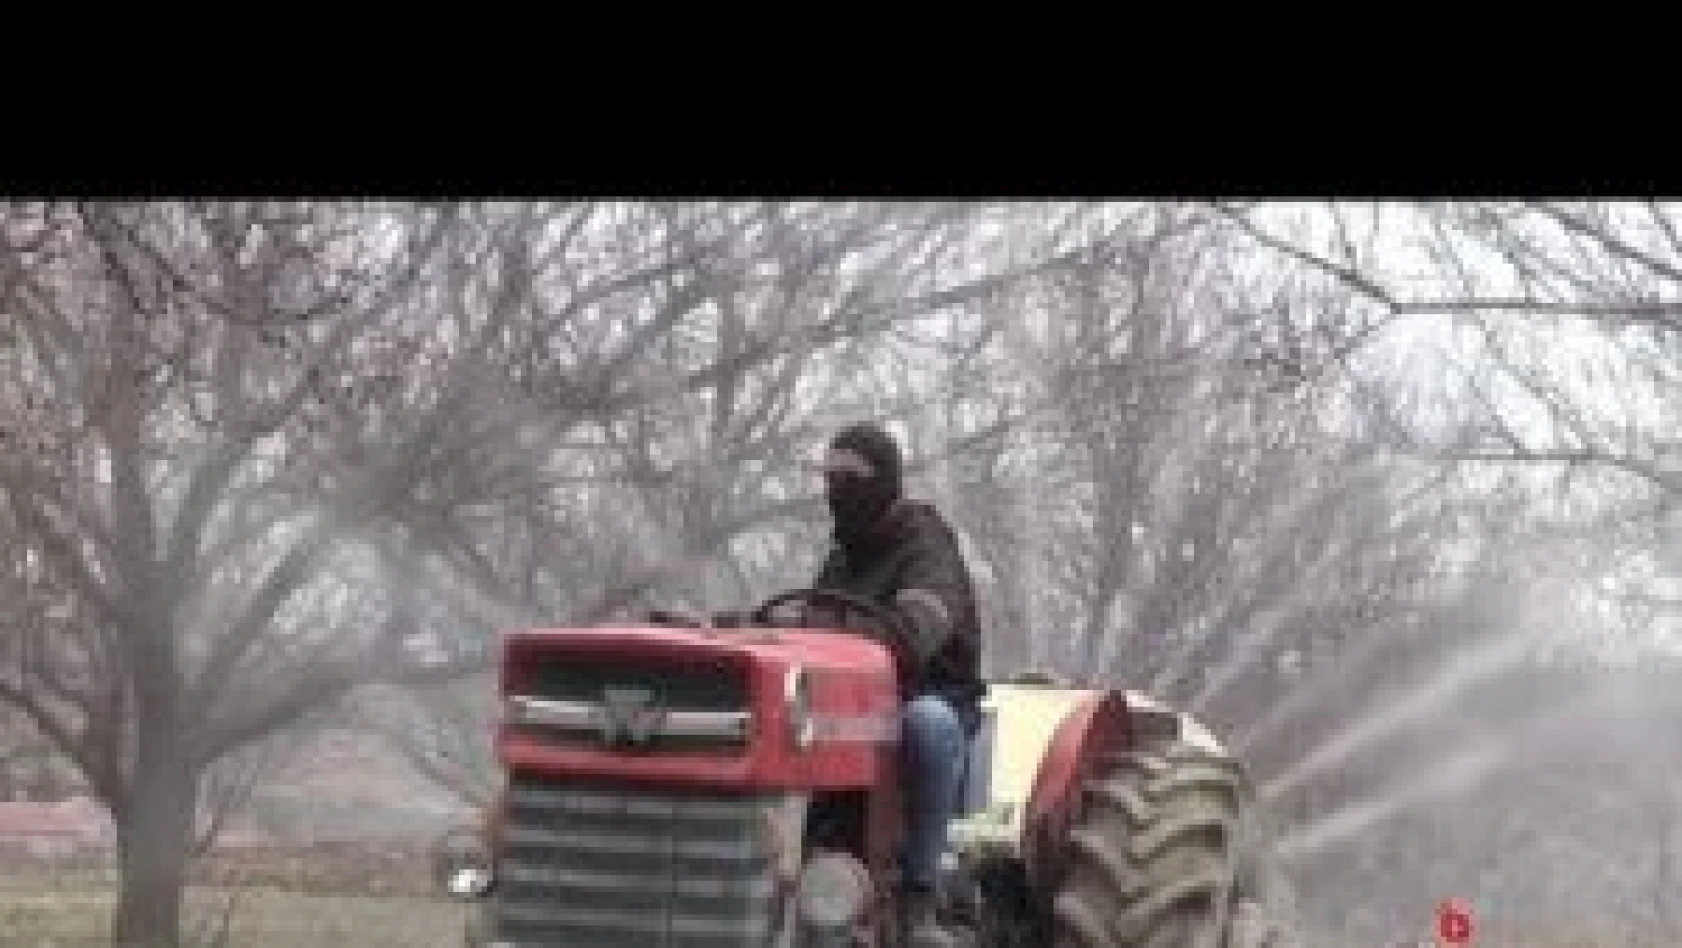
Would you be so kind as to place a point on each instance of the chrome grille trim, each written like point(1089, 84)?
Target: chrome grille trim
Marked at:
point(587, 716)
point(515, 837)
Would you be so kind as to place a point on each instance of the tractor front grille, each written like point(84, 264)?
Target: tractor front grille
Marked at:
point(588, 867)
point(691, 686)
point(682, 708)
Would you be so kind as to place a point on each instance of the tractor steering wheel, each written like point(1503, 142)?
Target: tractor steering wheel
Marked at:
point(883, 618)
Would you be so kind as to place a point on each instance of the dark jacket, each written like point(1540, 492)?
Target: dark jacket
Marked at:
point(915, 569)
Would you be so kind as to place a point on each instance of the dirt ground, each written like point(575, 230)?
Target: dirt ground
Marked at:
point(260, 918)
point(278, 905)
point(294, 899)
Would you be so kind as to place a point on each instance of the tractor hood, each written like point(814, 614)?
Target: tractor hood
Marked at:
point(812, 647)
point(769, 709)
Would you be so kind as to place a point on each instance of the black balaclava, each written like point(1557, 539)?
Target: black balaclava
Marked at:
point(858, 500)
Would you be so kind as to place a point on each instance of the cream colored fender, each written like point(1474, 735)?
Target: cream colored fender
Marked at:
point(1019, 723)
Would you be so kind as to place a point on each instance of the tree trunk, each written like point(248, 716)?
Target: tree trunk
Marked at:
point(154, 837)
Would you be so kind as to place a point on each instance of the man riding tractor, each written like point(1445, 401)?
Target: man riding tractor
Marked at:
point(768, 779)
point(901, 555)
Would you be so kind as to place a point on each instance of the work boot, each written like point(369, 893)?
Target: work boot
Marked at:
point(921, 924)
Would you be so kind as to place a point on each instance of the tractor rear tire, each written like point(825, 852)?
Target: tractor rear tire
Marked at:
point(1154, 858)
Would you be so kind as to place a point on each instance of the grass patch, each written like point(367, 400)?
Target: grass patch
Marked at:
point(261, 918)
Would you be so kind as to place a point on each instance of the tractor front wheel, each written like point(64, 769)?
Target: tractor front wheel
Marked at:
point(1154, 860)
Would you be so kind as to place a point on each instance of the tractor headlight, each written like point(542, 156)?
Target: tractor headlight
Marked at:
point(834, 891)
point(462, 862)
point(797, 704)
point(470, 882)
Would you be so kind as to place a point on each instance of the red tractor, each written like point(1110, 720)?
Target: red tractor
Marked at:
point(690, 787)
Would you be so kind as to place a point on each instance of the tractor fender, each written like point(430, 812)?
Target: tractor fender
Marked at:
point(1037, 736)
point(1097, 724)
point(1046, 742)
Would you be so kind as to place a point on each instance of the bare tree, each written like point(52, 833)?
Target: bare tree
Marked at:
point(171, 562)
point(1531, 345)
point(1561, 323)
point(1204, 517)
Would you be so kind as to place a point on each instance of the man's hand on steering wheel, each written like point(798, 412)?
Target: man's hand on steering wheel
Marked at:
point(687, 620)
point(667, 617)
point(834, 608)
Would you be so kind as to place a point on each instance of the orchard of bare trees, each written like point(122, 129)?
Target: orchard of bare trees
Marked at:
point(269, 464)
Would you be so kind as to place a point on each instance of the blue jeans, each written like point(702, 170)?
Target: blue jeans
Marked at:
point(935, 750)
